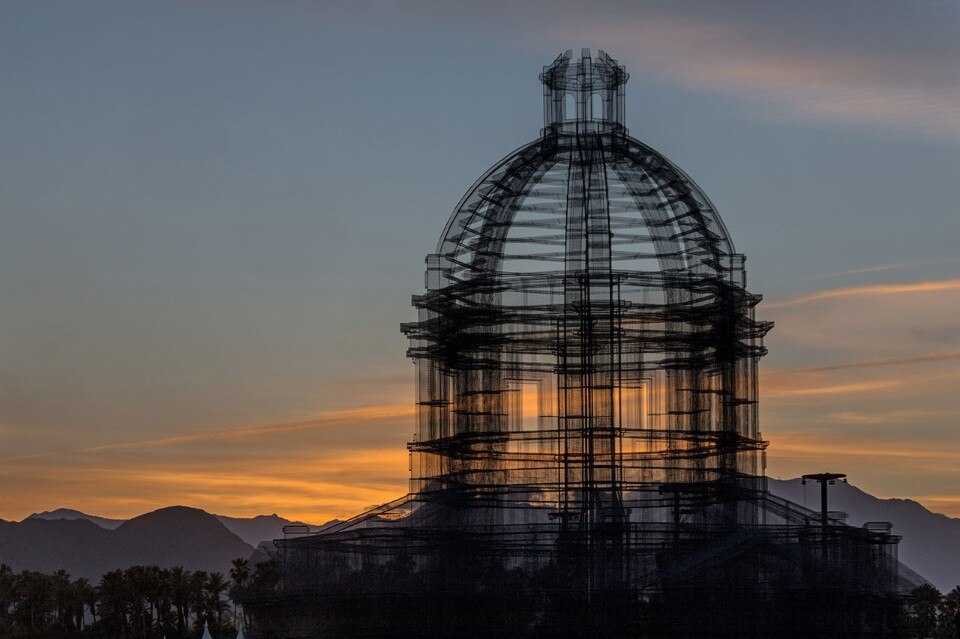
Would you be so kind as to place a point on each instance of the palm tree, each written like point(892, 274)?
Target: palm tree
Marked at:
point(81, 593)
point(163, 597)
point(154, 587)
point(34, 598)
point(216, 587)
point(239, 575)
point(91, 597)
point(113, 603)
point(180, 596)
point(198, 602)
point(7, 597)
point(924, 601)
point(266, 577)
point(950, 614)
point(60, 586)
point(137, 586)
point(141, 602)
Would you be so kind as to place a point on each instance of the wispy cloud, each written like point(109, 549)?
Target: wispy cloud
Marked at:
point(329, 464)
point(787, 64)
point(864, 417)
point(820, 448)
point(871, 290)
point(888, 361)
point(838, 389)
point(322, 420)
point(901, 389)
point(310, 485)
point(829, 443)
point(892, 65)
point(865, 270)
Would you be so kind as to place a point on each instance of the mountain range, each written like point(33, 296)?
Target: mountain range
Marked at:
point(175, 536)
point(87, 545)
point(252, 530)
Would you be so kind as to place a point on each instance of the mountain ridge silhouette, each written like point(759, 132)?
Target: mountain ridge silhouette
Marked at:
point(930, 544)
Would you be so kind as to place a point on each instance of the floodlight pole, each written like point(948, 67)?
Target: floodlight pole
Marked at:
point(824, 479)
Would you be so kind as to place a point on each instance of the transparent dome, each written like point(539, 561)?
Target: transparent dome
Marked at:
point(586, 336)
point(584, 192)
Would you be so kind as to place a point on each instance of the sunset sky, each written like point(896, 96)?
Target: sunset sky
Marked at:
point(214, 215)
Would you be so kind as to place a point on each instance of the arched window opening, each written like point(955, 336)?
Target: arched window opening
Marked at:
point(596, 106)
point(569, 107)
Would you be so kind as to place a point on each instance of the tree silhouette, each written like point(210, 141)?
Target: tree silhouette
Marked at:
point(239, 577)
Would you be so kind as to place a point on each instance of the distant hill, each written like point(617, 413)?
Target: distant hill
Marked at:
point(931, 541)
point(175, 536)
point(252, 530)
point(76, 545)
point(196, 540)
point(69, 513)
point(255, 530)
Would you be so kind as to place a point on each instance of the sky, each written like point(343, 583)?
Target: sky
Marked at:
point(214, 215)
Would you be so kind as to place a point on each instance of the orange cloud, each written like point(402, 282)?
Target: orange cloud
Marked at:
point(321, 420)
point(824, 82)
point(311, 485)
point(332, 464)
point(821, 444)
point(884, 417)
point(871, 290)
point(839, 389)
point(902, 389)
point(887, 361)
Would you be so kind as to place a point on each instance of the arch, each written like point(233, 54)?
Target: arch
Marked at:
point(569, 107)
point(596, 107)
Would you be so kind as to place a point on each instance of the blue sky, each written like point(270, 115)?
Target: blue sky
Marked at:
point(215, 213)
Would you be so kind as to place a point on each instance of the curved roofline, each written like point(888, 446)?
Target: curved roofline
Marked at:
point(473, 187)
point(520, 149)
point(685, 175)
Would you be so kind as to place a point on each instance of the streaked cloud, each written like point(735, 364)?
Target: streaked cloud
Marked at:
point(866, 417)
point(816, 444)
point(332, 418)
point(815, 62)
point(310, 485)
point(840, 389)
point(874, 325)
point(888, 361)
point(325, 466)
point(868, 269)
point(330, 464)
point(870, 290)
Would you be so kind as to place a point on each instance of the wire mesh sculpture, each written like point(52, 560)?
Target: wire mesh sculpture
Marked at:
point(587, 460)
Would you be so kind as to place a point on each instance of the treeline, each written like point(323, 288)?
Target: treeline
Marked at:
point(148, 602)
point(141, 602)
point(935, 615)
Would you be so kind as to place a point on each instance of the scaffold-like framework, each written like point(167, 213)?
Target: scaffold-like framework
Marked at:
point(588, 459)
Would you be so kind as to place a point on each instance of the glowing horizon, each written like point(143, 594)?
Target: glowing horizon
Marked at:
point(338, 463)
